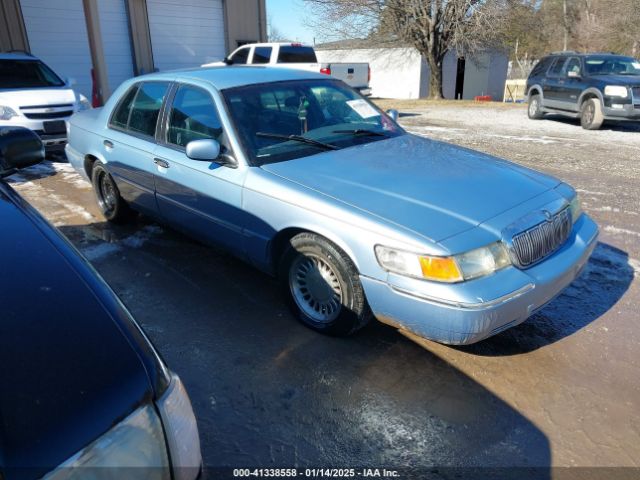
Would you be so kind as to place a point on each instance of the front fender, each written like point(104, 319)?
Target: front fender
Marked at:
point(589, 92)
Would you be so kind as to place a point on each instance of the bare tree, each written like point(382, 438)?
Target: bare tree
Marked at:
point(433, 27)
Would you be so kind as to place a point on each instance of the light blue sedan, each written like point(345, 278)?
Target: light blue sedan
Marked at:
point(299, 175)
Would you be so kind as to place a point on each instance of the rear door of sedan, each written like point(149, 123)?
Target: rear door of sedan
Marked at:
point(201, 198)
point(129, 143)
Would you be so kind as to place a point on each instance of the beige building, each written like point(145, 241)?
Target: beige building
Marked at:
point(118, 39)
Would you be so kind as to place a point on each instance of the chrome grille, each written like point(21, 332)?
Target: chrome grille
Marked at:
point(635, 96)
point(47, 112)
point(537, 242)
point(49, 116)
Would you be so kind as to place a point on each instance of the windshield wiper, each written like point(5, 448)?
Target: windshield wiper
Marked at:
point(362, 131)
point(298, 138)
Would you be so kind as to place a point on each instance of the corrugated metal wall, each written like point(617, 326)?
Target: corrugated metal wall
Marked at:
point(12, 33)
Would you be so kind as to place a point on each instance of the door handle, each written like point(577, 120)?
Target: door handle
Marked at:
point(161, 163)
point(108, 144)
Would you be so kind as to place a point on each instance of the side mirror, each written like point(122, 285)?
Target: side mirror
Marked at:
point(393, 113)
point(228, 60)
point(208, 150)
point(573, 74)
point(19, 148)
point(71, 81)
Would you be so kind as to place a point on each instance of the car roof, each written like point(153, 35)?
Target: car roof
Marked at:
point(591, 54)
point(230, 76)
point(271, 44)
point(16, 56)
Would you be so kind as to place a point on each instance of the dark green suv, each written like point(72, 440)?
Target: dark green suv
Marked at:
point(593, 87)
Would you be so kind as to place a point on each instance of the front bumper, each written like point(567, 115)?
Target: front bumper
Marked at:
point(471, 311)
point(624, 111)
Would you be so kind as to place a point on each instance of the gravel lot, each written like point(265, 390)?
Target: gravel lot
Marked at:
point(562, 389)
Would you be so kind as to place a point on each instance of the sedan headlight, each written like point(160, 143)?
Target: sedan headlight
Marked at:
point(616, 91)
point(7, 113)
point(137, 441)
point(466, 266)
point(576, 209)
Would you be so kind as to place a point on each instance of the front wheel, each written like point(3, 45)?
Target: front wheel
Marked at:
point(535, 108)
point(113, 207)
point(322, 286)
point(591, 116)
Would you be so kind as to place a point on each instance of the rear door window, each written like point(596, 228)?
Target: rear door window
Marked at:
point(296, 54)
point(120, 118)
point(261, 55)
point(541, 66)
point(146, 108)
point(556, 68)
point(241, 56)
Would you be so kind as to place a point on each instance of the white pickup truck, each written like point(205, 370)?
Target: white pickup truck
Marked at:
point(300, 57)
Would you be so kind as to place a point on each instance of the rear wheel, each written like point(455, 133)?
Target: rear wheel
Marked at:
point(535, 108)
point(322, 286)
point(113, 207)
point(591, 116)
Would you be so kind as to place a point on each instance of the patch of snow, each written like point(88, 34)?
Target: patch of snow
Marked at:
point(137, 240)
point(96, 252)
point(604, 209)
point(621, 231)
point(591, 192)
point(434, 129)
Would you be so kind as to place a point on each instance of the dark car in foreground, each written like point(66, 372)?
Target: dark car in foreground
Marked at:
point(82, 386)
point(592, 87)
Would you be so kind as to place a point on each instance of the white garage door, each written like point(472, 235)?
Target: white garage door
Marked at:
point(186, 33)
point(57, 34)
point(116, 41)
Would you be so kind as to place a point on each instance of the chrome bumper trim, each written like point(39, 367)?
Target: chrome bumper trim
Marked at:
point(464, 305)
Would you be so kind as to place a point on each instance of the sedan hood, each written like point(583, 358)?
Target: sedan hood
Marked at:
point(37, 96)
point(432, 188)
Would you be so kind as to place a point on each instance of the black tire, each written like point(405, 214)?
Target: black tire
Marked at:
point(113, 207)
point(591, 116)
point(322, 286)
point(534, 111)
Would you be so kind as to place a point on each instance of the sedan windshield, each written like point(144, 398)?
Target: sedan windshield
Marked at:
point(27, 74)
point(611, 65)
point(286, 120)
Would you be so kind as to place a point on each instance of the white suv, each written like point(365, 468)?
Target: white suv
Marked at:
point(33, 96)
